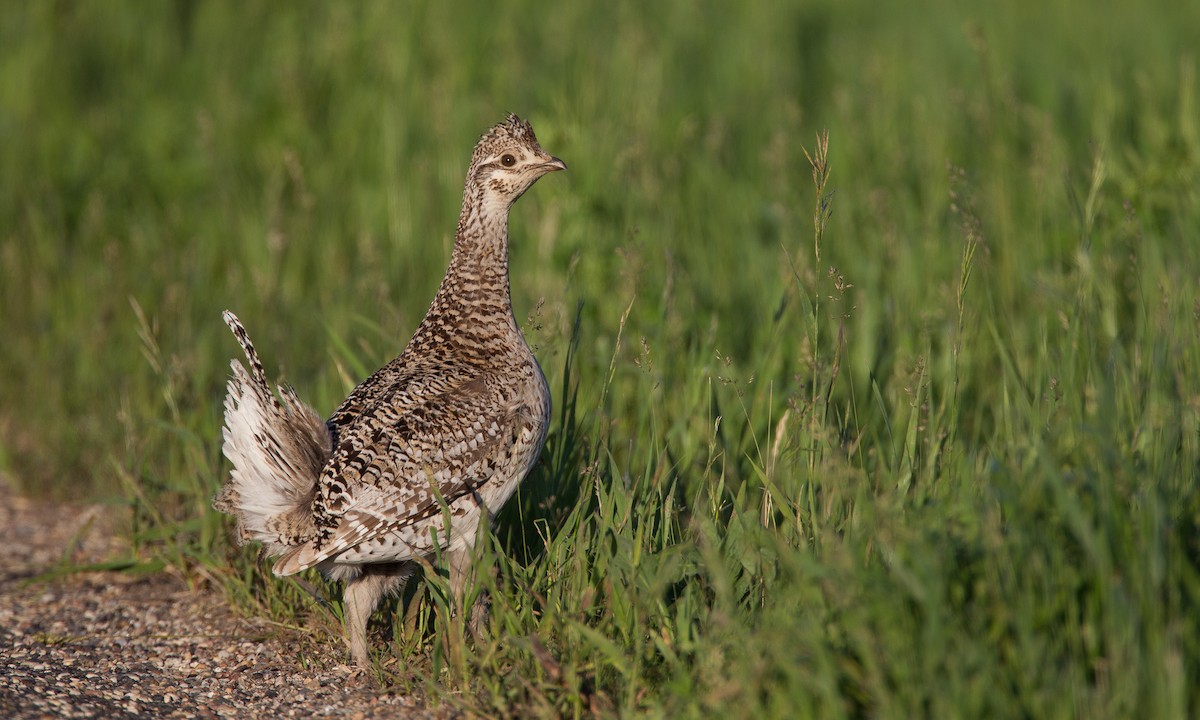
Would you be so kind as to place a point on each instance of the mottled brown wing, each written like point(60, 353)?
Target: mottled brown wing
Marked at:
point(418, 449)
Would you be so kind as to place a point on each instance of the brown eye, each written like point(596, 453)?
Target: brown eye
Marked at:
point(508, 161)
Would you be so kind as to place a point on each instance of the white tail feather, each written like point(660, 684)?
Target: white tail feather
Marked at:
point(277, 450)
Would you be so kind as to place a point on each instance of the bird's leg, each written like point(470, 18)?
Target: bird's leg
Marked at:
point(361, 596)
point(460, 562)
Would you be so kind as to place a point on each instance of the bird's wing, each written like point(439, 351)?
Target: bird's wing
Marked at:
point(418, 448)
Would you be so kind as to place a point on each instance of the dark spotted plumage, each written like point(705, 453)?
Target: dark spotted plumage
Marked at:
point(452, 424)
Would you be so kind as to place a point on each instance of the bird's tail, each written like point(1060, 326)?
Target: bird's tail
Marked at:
point(277, 450)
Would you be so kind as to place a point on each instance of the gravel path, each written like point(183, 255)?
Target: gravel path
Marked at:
point(116, 645)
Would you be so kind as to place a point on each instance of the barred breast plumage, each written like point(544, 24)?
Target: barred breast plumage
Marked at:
point(452, 424)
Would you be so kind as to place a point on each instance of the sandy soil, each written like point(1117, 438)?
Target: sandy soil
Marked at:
point(118, 645)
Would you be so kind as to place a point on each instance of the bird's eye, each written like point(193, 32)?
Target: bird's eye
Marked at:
point(508, 161)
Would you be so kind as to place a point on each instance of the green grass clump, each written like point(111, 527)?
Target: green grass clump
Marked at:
point(898, 421)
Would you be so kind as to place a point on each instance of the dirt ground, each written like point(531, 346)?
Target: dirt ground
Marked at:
point(115, 645)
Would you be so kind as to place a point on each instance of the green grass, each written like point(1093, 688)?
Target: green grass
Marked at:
point(948, 468)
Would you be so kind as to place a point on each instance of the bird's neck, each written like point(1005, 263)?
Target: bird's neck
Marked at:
point(475, 292)
point(481, 241)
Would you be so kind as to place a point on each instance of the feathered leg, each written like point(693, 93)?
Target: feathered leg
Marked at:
point(361, 596)
point(461, 563)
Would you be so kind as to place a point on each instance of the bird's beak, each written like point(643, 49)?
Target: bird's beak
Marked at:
point(553, 164)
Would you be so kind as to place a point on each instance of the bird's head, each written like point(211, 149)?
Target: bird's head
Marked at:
point(508, 160)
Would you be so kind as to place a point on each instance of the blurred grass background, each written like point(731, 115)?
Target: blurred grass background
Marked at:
point(948, 468)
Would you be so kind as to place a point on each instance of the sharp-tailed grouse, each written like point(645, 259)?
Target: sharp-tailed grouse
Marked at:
point(447, 429)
